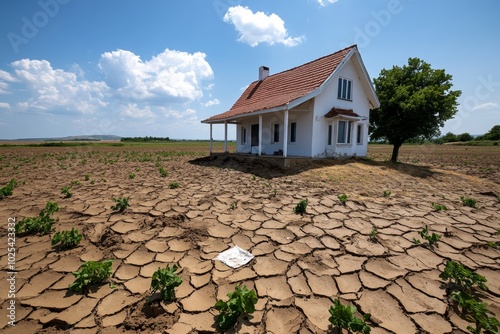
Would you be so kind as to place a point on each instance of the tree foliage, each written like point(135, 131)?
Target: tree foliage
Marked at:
point(415, 101)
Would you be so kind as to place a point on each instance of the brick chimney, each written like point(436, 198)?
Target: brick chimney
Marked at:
point(263, 72)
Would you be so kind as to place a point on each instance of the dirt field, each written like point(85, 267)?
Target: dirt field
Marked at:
point(302, 262)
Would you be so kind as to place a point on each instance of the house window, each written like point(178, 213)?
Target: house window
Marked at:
point(359, 135)
point(344, 133)
point(243, 136)
point(330, 130)
point(345, 89)
point(276, 133)
point(293, 132)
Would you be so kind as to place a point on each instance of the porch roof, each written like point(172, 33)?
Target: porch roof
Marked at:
point(278, 90)
point(341, 112)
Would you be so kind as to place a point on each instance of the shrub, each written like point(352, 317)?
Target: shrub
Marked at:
point(131, 176)
point(387, 193)
point(173, 185)
point(343, 317)
point(467, 201)
point(301, 206)
point(241, 302)
point(91, 272)
point(8, 189)
point(38, 225)
point(121, 204)
point(438, 207)
point(343, 198)
point(163, 172)
point(431, 239)
point(66, 239)
point(461, 277)
point(65, 191)
point(165, 280)
point(87, 177)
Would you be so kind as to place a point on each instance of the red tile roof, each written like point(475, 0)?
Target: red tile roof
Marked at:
point(341, 112)
point(281, 88)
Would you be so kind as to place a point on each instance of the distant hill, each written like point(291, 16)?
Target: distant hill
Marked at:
point(70, 138)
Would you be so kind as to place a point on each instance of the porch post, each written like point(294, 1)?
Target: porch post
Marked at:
point(260, 134)
point(225, 136)
point(210, 138)
point(285, 134)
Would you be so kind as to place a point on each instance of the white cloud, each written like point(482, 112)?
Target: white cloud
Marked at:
point(210, 103)
point(6, 76)
point(169, 76)
point(4, 105)
point(484, 106)
point(53, 90)
point(134, 111)
point(255, 28)
point(323, 3)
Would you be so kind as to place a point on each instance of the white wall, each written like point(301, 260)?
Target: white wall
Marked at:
point(302, 146)
point(325, 101)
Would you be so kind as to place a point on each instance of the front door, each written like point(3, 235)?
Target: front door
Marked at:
point(255, 134)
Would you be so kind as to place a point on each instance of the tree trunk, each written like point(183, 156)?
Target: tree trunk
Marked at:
point(395, 152)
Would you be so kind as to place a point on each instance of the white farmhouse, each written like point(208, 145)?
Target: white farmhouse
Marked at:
point(319, 109)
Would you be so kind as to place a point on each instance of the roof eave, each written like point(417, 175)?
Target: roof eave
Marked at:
point(249, 114)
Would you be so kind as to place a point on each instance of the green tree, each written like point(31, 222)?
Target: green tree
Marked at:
point(465, 137)
point(415, 101)
point(493, 134)
point(449, 137)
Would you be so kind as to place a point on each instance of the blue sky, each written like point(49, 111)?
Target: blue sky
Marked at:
point(157, 68)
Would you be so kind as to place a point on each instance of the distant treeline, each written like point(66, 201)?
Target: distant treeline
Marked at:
point(144, 139)
point(491, 136)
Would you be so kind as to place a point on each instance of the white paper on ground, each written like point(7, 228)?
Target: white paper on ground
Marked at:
point(235, 257)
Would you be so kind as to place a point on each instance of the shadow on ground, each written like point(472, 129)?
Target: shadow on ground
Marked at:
point(271, 167)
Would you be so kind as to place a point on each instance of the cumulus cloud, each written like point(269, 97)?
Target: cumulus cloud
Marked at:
point(134, 111)
point(484, 106)
point(169, 76)
point(53, 90)
point(256, 28)
point(210, 103)
point(323, 3)
point(131, 87)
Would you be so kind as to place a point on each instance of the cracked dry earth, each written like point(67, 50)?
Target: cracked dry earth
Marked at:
point(302, 262)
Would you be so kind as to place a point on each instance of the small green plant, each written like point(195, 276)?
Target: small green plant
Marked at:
point(343, 317)
point(254, 177)
point(38, 225)
point(165, 280)
point(121, 204)
point(416, 241)
point(163, 172)
point(75, 183)
point(66, 239)
point(131, 176)
point(87, 177)
point(467, 201)
point(173, 185)
point(233, 205)
point(65, 191)
point(90, 273)
point(461, 281)
point(301, 206)
point(92, 181)
point(438, 207)
point(387, 193)
point(431, 239)
point(373, 235)
point(241, 302)
point(343, 198)
point(497, 198)
point(462, 278)
point(8, 189)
